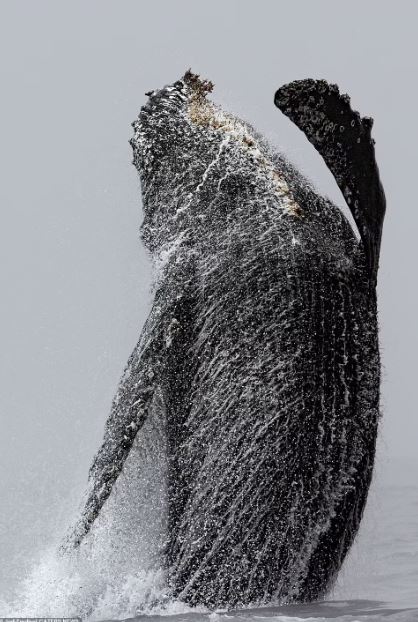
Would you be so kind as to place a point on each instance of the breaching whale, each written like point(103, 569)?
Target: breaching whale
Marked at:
point(262, 343)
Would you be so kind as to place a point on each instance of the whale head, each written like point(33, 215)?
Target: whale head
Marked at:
point(196, 162)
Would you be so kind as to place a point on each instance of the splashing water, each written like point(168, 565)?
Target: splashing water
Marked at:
point(117, 571)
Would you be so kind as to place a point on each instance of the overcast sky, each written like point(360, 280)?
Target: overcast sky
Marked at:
point(74, 278)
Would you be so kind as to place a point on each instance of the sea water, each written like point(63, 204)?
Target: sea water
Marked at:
point(379, 580)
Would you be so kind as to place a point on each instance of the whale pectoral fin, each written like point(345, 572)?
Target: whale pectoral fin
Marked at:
point(121, 431)
point(129, 412)
point(344, 141)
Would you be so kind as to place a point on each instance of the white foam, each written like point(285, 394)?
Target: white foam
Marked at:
point(116, 572)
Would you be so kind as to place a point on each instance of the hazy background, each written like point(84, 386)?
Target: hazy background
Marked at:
point(74, 277)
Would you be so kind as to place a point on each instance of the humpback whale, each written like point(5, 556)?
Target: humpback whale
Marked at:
point(262, 343)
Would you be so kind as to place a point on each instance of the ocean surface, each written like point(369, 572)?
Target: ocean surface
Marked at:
point(379, 580)
point(344, 611)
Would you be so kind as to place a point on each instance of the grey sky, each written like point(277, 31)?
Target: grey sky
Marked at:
point(74, 277)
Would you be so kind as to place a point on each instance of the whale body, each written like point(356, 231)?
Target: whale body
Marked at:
point(262, 343)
